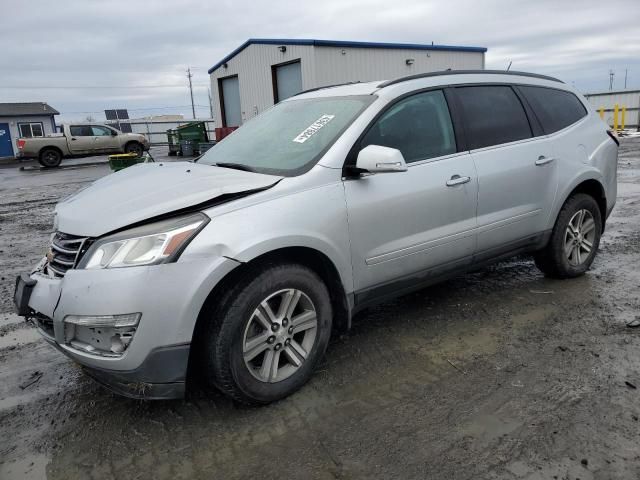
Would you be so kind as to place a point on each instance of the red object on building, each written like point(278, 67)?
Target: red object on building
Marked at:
point(222, 132)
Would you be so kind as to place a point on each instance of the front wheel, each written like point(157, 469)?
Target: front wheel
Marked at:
point(134, 147)
point(574, 240)
point(268, 334)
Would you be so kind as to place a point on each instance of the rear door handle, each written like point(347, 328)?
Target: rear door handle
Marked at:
point(542, 160)
point(457, 180)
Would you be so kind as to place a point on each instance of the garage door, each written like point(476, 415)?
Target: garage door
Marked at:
point(287, 80)
point(230, 95)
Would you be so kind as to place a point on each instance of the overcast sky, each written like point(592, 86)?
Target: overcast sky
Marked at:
point(133, 54)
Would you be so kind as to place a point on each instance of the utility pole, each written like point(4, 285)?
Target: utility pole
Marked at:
point(210, 104)
point(193, 108)
point(611, 74)
point(626, 70)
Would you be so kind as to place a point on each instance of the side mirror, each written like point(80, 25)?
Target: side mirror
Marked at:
point(378, 159)
point(114, 133)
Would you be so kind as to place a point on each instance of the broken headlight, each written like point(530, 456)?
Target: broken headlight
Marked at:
point(150, 244)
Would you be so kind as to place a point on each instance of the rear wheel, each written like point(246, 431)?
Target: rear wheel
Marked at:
point(50, 158)
point(574, 240)
point(134, 147)
point(267, 334)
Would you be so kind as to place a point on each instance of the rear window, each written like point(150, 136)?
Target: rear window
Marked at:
point(556, 109)
point(493, 115)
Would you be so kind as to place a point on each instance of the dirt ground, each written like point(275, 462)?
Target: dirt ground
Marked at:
point(498, 374)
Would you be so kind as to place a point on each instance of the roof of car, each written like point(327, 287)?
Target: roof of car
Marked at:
point(436, 78)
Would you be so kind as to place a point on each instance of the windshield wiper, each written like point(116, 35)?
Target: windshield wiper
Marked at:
point(236, 166)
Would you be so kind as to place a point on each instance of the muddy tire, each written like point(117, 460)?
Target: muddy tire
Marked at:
point(574, 240)
point(266, 335)
point(50, 158)
point(134, 147)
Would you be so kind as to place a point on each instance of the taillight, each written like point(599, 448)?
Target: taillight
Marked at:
point(21, 143)
point(614, 136)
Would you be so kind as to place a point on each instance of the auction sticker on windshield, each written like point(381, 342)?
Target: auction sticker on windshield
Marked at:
point(312, 129)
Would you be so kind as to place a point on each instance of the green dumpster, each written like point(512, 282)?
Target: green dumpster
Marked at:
point(196, 132)
point(123, 160)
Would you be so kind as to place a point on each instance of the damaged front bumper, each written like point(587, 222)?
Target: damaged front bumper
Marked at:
point(129, 328)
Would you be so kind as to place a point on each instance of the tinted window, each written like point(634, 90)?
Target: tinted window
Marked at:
point(81, 131)
point(555, 109)
point(493, 115)
point(419, 126)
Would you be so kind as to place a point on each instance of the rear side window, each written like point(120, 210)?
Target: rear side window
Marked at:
point(419, 126)
point(492, 115)
point(80, 131)
point(556, 109)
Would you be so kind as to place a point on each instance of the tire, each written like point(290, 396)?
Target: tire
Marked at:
point(571, 251)
point(134, 147)
point(237, 329)
point(50, 158)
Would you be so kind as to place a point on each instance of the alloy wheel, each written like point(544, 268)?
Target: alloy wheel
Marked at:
point(279, 335)
point(579, 237)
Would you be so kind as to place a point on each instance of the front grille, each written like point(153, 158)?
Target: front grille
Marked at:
point(66, 251)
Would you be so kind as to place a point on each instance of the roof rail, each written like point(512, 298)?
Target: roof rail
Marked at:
point(463, 72)
point(326, 86)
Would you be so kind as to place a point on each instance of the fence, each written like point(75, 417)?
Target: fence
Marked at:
point(156, 131)
point(619, 109)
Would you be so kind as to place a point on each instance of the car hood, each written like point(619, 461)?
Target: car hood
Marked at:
point(147, 190)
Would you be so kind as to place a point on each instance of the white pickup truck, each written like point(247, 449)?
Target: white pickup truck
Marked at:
point(78, 140)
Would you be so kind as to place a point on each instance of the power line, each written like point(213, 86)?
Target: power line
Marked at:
point(193, 108)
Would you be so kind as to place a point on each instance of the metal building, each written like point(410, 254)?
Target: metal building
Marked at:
point(630, 99)
point(261, 72)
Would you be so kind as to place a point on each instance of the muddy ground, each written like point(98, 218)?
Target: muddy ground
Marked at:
point(495, 374)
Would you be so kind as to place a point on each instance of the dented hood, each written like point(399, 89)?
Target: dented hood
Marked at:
point(147, 190)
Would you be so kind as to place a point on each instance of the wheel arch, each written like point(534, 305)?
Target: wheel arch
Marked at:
point(312, 258)
point(591, 186)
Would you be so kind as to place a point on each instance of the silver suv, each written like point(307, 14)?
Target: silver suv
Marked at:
point(241, 265)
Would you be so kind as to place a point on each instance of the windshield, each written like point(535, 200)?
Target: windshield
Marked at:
point(289, 138)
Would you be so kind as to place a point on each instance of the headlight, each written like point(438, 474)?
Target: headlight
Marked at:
point(150, 244)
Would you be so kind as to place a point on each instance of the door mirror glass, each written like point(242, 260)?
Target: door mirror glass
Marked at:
point(378, 159)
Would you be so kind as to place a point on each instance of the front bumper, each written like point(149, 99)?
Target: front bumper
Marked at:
point(169, 297)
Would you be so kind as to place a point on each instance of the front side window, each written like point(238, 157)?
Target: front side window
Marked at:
point(290, 137)
point(100, 131)
point(30, 130)
point(493, 115)
point(556, 109)
point(419, 126)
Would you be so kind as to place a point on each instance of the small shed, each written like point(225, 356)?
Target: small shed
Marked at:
point(24, 120)
point(262, 72)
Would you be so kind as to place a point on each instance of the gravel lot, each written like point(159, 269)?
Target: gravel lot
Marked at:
point(499, 373)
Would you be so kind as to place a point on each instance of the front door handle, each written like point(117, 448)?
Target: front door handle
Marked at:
point(457, 180)
point(542, 160)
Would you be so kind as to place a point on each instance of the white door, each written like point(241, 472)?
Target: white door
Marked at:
point(230, 94)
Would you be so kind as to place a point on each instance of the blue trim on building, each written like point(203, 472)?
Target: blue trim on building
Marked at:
point(342, 43)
